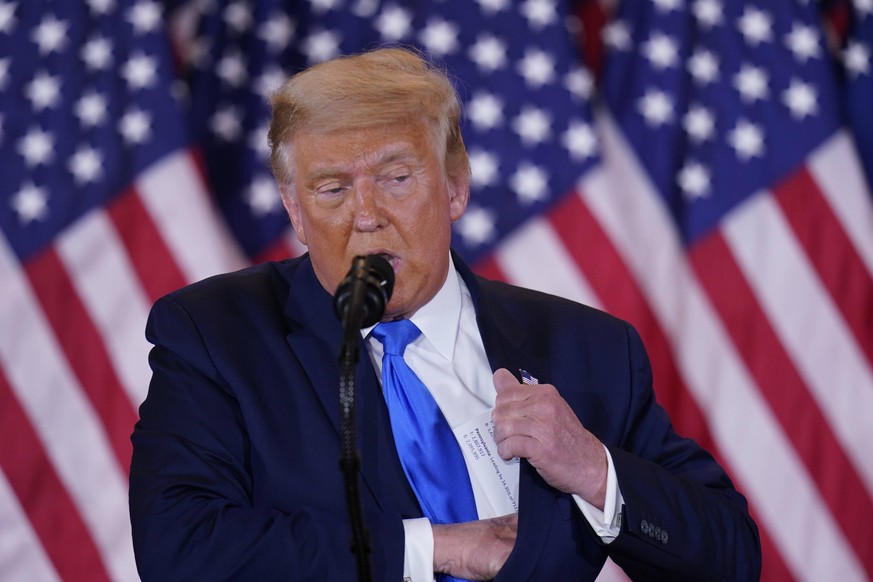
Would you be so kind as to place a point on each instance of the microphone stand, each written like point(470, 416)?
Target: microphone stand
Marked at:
point(349, 457)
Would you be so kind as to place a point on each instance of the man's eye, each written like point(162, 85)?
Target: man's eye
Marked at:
point(402, 178)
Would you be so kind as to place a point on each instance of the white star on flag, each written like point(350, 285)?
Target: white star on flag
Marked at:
point(752, 83)
point(485, 111)
point(530, 182)
point(532, 125)
point(703, 66)
point(50, 35)
point(44, 91)
point(694, 180)
point(484, 168)
point(803, 42)
point(539, 13)
point(756, 26)
point(140, 71)
point(86, 165)
point(476, 226)
point(30, 203)
point(747, 139)
point(145, 16)
point(97, 54)
point(537, 68)
point(36, 147)
point(135, 126)
point(661, 51)
point(699, 123)
point(656, 107)
point(709, 13)
point(800, 98)
point(488, 52)
point(91, 109)
point(277, 31)
point(440, 37)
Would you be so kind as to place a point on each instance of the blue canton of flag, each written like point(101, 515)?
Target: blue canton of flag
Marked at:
point(84, 91)
point(858, 69)
point(720, 99)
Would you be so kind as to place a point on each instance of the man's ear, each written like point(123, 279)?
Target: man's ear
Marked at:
point(459, 195)
point(292, 207)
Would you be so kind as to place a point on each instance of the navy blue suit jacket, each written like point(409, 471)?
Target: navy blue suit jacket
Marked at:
point(235, 470)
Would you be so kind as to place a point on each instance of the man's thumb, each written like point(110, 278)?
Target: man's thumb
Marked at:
point(504, 379)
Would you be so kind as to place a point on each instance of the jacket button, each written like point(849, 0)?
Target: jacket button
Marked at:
point(655, 533)
point(664, 537)
point(644, 527)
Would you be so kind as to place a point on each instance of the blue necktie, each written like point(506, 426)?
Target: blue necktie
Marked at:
point(430, 455)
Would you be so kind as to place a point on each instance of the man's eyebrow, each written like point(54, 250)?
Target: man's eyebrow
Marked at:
point(402, 154)
point(324, 173)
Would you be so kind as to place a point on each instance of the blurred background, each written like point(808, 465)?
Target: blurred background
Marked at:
point(701, 168)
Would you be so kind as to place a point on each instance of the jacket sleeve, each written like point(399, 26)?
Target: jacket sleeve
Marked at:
point(191, 484)
point(682, 518)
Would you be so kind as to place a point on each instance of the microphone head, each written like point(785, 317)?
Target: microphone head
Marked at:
point(371, 278)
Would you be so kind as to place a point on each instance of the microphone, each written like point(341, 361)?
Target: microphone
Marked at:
point(359, 302)
point(361, 297)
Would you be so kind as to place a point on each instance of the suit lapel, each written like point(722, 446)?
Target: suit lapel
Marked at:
point(506, 346)
point(315, 336)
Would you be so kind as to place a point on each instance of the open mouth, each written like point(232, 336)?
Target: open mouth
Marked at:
point(392, 260)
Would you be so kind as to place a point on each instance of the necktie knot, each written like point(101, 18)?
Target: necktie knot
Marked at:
point(396, 335)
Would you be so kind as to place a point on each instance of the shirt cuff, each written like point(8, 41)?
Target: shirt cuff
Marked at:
point(418, 550)
point(606, 523)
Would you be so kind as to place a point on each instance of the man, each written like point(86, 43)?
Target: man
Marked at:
point(235, 472)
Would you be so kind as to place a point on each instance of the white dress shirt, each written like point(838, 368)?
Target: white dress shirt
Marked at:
point(450, 360)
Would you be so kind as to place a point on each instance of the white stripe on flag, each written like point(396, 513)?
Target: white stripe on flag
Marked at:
point(836, 168)
point(181, 209)
point(21, 554)
point(533, 255)
point(67, 426)
point(758, 453)
point(807, 322)
point(97, 264)
point(611, 573)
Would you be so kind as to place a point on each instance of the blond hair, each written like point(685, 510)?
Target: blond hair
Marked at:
point(377, 88)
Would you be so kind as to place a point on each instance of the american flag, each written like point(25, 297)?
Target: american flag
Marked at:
point(695, 177)
point(857, 61)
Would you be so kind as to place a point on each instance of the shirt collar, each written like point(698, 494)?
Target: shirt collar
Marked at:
point(438, 319)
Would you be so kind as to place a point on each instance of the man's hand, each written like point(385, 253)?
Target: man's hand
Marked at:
point(474, 550)
point(533, 422)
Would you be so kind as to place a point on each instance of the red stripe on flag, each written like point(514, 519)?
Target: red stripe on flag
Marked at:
point(49, 509)
point(278, 251)
point(610, 278)
point(199, 161)
point(84, 349)
point(593, 17)
point(779, 382)
point(839, 266)
point(773, 567)
point(489, 269)
point(148, 253)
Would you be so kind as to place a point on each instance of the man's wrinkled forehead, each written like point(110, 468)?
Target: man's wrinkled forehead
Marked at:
point(366, 145)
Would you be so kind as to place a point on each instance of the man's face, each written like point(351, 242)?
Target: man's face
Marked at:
point(376, 191)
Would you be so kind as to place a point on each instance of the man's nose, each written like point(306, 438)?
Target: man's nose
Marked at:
point(368, 208)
